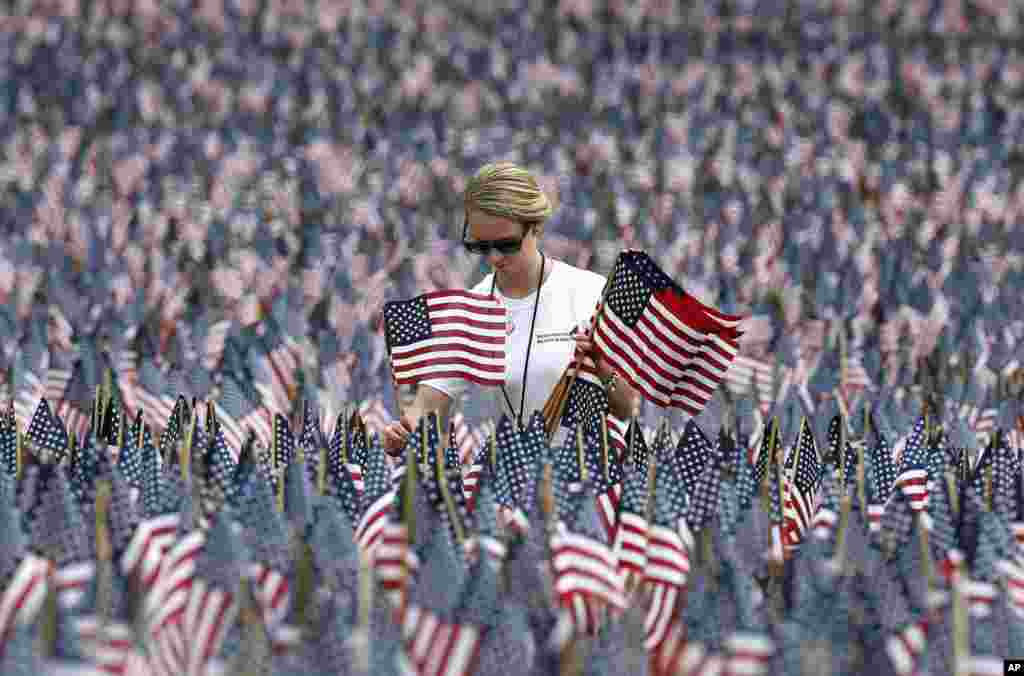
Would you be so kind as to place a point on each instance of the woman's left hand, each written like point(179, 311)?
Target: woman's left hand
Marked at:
point(585, 347)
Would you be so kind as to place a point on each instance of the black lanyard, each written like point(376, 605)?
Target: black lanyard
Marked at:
point(529, 344)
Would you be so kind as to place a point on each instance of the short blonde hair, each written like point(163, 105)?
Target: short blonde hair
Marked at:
point(506, 190)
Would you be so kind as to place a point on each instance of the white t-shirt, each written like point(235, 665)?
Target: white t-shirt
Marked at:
point(568, 299)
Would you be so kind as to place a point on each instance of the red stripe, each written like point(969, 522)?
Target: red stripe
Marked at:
point(496, 311)
point(459, 293)
point(700, 324)
point(614, 336)
point(465, 321)
point(210, 640)
point(655, 390)
point(461, 347)
point(468, 335)
point(279, 594)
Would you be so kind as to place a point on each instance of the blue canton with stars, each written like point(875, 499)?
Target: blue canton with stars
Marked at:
point(47, 434)
point(692, 455)
point(406, 322)
point(635, 278)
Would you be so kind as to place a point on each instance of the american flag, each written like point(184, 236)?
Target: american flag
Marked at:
point(520, 453)
point(827, 516)
point(677, 655)
point(23, 594)
point(669, 541)
point(154, 395)
point(440, 648)
point(279, 363)
point(165, 604)
point(212, 604)
point(378, 498)
point(801, 489)
point(906, 647)
point(692, 454)
point(472, 473)
point(236, 411)
point(586, 572)
point(748, 653)
point(913, 477)
point(587, 403)
point(630, 540)
point(464, 437)
point(145, 552)
point(667, 344)
point(447, 334)
point(46, 433)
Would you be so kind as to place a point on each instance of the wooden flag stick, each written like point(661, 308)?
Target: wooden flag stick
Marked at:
point(409, 512)
point(97, 411)
point(321, 472)
point(361, 635)
point(845, 503)
point(604, 450)
point(346, 446)
point(548, 496)
point(926, 556)
point(121, 424)
point(961, 630)
point(954, 497)
point(19, 455)
point(579, 453)
point(780, 462)
point(652, 471)
point(185, 459)
point(631, 443)
point(555, 406)
point(842, 454)
point(442, 481)
point(708, 556)
point(305, 580)
point(988, 489)
point(278, 470)
point(104, 551)
point(861, 492)
point(493, 448)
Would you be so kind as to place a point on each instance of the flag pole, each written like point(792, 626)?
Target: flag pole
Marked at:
point(278, 470)
point(442, 481)
point(579, 453)
point(604, 450)
point(842, 449)
point(347, 428)
point(361, 636)
point(632, 440)
point(321, 471)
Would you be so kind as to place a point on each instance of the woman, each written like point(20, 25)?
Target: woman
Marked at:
point(505, 211)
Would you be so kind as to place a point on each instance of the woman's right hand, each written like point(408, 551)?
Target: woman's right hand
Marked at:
point(395, 435)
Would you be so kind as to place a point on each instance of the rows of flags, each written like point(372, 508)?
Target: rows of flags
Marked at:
point(880, 545)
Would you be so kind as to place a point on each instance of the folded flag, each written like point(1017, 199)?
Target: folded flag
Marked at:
point(447, 334)
point(671, 347)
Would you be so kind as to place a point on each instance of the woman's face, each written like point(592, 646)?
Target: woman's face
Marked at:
point(481, 227)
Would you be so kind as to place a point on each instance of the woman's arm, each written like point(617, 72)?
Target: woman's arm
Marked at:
point(428, 400)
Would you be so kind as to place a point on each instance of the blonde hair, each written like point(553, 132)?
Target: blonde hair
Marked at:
point(506, 190)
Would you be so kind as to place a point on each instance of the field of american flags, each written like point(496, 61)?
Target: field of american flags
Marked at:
point(136, 549)
point(203, 210)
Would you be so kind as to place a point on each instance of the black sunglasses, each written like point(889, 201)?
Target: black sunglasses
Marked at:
point(483, 247)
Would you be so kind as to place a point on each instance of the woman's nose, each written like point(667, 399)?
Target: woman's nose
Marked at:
point(494, 257)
